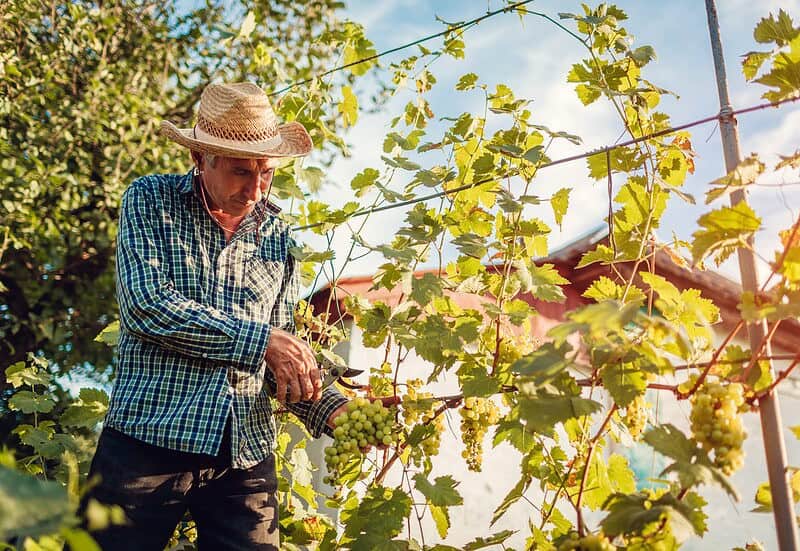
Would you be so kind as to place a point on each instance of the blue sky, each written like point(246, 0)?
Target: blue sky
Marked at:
point(533, 58)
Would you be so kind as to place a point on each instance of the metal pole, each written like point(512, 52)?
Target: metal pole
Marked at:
point(771, 428)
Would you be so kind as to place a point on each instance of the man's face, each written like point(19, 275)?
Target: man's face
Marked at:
point(233, 185)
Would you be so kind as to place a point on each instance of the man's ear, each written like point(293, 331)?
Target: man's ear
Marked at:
point(198, 159)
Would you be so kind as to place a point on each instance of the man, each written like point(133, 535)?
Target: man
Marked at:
point(206, 290)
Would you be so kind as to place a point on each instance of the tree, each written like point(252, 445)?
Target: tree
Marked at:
point(84, 86)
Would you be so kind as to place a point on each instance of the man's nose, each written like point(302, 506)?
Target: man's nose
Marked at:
point(253, 191)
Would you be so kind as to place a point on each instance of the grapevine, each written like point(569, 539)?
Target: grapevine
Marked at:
point(716, 423)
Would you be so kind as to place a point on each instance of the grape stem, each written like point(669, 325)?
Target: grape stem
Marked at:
point(590, 453)
point(451, 402)
point(781, 376)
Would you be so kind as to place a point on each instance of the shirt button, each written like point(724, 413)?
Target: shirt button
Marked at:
point(205, 355)
point(220, 288)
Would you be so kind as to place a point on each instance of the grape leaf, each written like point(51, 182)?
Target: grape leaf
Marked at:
point(109, 335)
point(633, 514)
point(494, 539)
point(467, 81)
point(29, 506)
point(624, 381)
point(348, 107)
point(441, 493)
point(745, 174)
point(29, 402)
point(604, 479)
point(692, 464)
point(543, 410)
point(88, 410)
point(723, 231)
point(19, 374)
point(364, 181)
point(779, 30)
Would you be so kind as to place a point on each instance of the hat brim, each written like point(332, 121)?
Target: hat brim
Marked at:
point(295, 142)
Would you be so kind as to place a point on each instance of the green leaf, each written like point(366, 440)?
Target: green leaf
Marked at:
point(560, 202)
point(442, 493)
point(348, 107)
point(400, 162)
point(20, 373)
point(494, 539)
point(542, 411)
point(603, 289)
point(624, 381)
point(637, 513)
point(514, 495)
point(364, 181)
point(88, 411)
point(467, 81)
point(378, 518)
point(643, 55)
point(745, 174)
point(109, 335)
point(784, 76)
point(602, 480)
point(545, 363)
point(307, 254)
point(424, 289)
point(441, 516)
point(544, 282)
point(30, 507)
point(723, 231)
point(752, 62)
point(778, 30)
point(534, 154)
point(29, 402)
point(692, 464)
point(602, 253)
point(796, 431)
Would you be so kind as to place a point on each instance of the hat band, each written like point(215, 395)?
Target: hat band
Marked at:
point(200, 134)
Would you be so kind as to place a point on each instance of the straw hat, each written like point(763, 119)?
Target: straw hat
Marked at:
point(236, 120)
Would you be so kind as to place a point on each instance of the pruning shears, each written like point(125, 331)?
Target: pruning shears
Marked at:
point(335, 369)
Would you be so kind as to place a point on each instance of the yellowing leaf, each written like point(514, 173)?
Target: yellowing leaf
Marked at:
point(248, 25)
point(348, 107)
point(560, 202)
point(745, 173)
point(723, 231)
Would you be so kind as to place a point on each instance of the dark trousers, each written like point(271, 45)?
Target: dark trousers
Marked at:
point(233, 509)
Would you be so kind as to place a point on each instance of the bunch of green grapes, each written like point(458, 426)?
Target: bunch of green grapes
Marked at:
point(716, 424)
point(477, 415)
point(636, 416)
point(589, 542)
point(364, 424)
point(430, 445)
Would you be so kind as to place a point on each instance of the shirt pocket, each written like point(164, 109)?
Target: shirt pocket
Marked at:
point(263, 279)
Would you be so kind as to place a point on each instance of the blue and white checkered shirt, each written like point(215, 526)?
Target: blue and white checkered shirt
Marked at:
point(196, 315)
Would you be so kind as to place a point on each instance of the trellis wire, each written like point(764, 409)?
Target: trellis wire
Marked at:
point(450, 29)
point(606, 149)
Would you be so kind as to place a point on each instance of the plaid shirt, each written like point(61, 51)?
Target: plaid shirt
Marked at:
point(196, 315)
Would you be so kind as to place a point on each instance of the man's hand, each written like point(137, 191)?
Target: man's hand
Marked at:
point(294, 366)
